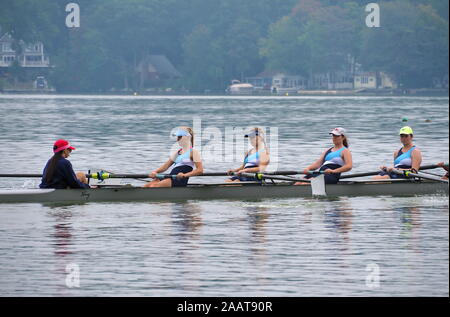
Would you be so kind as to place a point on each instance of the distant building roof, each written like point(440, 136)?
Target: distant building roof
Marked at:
point(159, 64)
point(366, 74)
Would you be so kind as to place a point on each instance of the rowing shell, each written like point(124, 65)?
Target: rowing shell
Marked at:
point(207, 192)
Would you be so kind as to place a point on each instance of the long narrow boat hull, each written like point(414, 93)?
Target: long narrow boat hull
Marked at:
point(248, 192)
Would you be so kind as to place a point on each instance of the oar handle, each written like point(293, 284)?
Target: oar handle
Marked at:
point(409, 174)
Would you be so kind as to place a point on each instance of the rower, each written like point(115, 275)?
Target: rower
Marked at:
point(186, 162)
point(334, 161)
point(256, 159)
point(58, 172)
point(408, 157)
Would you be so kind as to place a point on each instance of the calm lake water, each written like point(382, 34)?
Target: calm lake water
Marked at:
point(364, 246)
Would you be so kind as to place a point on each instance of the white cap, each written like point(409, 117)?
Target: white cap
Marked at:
point(338, 131)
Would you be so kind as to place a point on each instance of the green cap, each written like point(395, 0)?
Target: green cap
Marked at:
point(406, 130)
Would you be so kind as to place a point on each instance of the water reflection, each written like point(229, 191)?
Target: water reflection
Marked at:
point(257, 219)
point(62, 238)
point(63, 231)
point(410, 219)
point(187, 220)
point(339, 218)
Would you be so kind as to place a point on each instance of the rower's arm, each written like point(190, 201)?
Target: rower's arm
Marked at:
point(348, 160)
point(317, 163)
point(240, 167)
point(198, 164)
point(164, 167)
point(416, 158)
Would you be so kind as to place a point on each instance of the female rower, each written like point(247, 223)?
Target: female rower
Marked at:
point(58, 173)
point(184, 160)
point(334, 161)
point(256, 160)
point(408, 157)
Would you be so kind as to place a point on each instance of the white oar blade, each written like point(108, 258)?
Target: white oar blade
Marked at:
point(318, 185)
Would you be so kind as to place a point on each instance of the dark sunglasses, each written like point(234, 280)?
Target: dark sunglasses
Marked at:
point(404, 135)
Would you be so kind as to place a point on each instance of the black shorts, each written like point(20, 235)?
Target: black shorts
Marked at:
point(180, 169)
point(329, 178)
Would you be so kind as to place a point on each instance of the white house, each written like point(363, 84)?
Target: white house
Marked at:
point(32, 55)
point(365, 80)
point(277, 82)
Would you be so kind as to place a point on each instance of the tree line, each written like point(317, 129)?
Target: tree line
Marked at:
point(212, 42)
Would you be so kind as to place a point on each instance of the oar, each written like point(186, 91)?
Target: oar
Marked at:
point(408, 174)
point(261, 176)
point(21, 175)
point(105, 175)
point(425, 167)
point(434, 174)
point(317, 183)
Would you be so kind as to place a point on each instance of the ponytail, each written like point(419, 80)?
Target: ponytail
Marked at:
point(191, 132)
point(262, 135)
point(345, 141)
point(51, 167)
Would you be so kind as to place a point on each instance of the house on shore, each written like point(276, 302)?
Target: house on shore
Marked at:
point(374, 80)
point(154, 69)
point(30, 57)
point(277, 82)
point(339, 80)
point(280, 83)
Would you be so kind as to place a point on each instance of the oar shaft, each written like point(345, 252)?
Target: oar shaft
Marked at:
point(425, 167)
point(281, 178)
point(274, 173)
point(419, 175)
point(21, 175)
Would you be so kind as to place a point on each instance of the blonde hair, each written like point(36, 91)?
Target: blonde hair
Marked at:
point(191, 132)
point(261, 134)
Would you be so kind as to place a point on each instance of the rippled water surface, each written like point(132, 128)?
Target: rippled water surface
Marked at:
point(289, 247)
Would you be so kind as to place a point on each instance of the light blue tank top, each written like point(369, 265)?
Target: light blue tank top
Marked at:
point(404, 159)
point(253, 160)
point(334, 157)
point(184, 159)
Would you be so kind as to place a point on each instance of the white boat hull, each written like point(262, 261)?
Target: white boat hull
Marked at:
point(199, 192)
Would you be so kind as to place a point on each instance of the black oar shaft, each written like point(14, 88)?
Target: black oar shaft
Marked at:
point(425, 167)
point(274, 173)
point(266, 176)
point(21, 175)
point(409, 174)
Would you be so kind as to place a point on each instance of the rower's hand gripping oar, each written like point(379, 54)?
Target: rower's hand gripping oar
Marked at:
point(355, 175)
point(410, 174)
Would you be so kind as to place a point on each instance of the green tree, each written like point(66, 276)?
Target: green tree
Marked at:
point(202, 60)
point(412, 44)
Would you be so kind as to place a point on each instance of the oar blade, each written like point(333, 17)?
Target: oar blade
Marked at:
point(318, 185)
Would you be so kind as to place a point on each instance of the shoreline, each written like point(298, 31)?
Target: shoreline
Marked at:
point(420, 92)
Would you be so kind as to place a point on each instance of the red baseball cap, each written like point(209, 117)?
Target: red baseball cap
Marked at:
point(61, 145)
